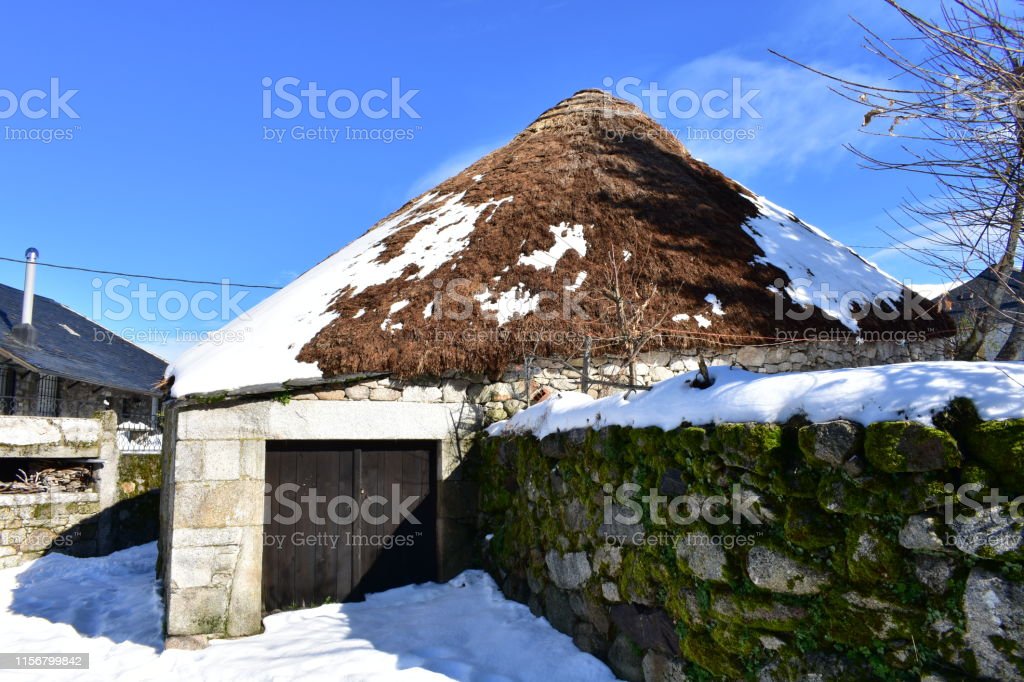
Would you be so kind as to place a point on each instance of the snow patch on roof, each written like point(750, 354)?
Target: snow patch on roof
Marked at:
point(567, 238)
point(716, 305)
point(822, 272)
point(269, 336)
point(509, 304)
point(580, 278)
point(395, 307)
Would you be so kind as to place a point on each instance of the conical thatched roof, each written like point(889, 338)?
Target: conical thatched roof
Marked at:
point(521, 252)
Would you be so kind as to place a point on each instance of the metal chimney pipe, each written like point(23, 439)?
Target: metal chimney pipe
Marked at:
point(31, 256)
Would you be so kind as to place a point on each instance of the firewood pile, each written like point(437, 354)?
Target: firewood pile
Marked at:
point(68, 479)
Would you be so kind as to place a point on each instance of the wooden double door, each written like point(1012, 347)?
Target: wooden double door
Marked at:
point(347, 518)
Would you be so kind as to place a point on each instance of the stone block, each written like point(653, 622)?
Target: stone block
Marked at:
point(994, 610)
point(192, 567)
point(253, 460)
point(244, 617)
point(222, 460)
point(385, 394)
point(197, 611)
point(558, 610)
point(80, 432)
point(704, 557)
point(568, 571)
point(207, 537)
point(421, 394)
point(357, 392)
point(896, 447)
point(248, 420)
point(188, 460)
point(454, 390)
point(831, 443)
point(218, 504)
point(773, 570)
point(22, 431)
point(921, 533)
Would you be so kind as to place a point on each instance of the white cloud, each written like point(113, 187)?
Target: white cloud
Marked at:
point(798, 123)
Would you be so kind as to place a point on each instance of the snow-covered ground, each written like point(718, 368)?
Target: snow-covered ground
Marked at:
point(913, 391)
point(108, 607)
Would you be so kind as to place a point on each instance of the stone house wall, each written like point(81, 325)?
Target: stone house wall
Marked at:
point(821, 550)
point(78, 399)
point(507, 395)
point(212, 501)
point(214, 448)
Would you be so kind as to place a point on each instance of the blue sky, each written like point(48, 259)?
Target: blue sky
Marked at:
point(167, 171)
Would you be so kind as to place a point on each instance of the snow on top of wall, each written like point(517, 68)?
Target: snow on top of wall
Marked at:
point(913, 391)
point(267, 338)
point(822, 271)
point(567, 237)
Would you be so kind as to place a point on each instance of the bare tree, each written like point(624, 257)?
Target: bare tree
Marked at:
point(954, 106)
point(634, 306)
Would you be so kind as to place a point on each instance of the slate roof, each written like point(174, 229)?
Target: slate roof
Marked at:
point(76, 348)
point(974, 293)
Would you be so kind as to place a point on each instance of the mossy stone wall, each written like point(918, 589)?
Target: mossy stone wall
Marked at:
point(855, 560)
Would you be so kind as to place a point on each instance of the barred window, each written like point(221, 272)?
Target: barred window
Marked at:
point(8, 386)
point(48, 388)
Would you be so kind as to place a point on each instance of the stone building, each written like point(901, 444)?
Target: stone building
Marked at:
point(57, 363)
point(966, 302)
point(592, 252)
point(78, 443)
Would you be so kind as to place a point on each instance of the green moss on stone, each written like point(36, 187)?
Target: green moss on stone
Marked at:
point(839, 494)
point(1000, 445)
point(687, 442)
point(700, 648)
point(868, 614)
point(736, 640)
point(751, 446)
point(871, 555)
point(137, 474)
point(806, 525)
point(958, 419)
point(895, 447)
point(756, 610)
point(43, 511)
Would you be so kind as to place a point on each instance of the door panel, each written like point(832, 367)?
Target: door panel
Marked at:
point(355, 539)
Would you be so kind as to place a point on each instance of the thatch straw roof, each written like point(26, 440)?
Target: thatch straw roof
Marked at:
point(519, 253)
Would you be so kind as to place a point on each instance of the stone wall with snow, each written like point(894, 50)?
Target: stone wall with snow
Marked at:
point(213, 468)
point(65, 487)
point(775, 551)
